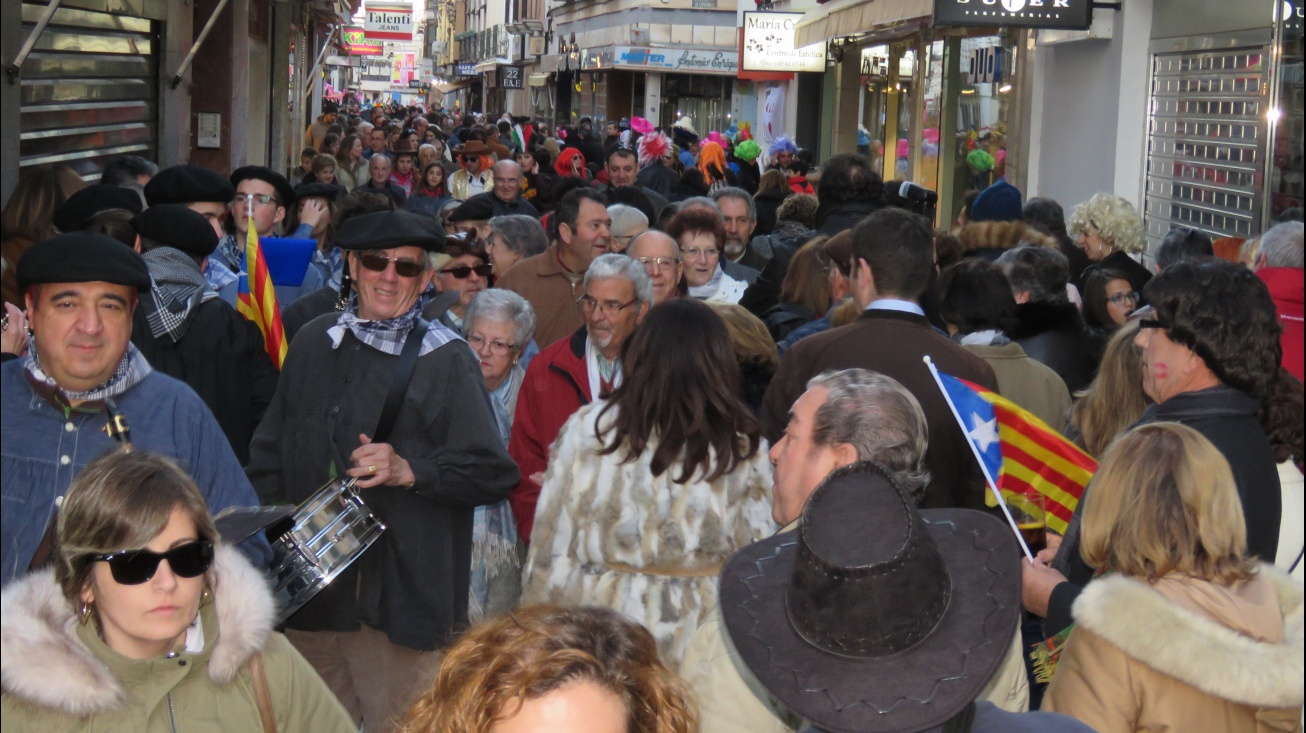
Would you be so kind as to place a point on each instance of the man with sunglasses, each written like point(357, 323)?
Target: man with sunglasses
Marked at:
point(1211, 363)
point(81, 290)
point(574, 371)
point(473, 178)
point(372, 633)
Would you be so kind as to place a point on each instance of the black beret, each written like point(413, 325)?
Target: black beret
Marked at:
point(285, 194)
point(328, 191)
point(84, 205)
point(188, 184)
point(388, 229)
point(178, 227)
point(477, 208)
point(82, 257)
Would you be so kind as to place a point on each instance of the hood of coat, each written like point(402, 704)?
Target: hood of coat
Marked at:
point(1223, 643)
point(1287, 286)
point(991, 238)
point(46, 663)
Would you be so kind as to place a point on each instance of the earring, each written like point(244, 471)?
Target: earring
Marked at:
point(84, 613)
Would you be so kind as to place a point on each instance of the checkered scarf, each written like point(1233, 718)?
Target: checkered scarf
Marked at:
point(178, 288)
point(388, 336)
point(130, 371)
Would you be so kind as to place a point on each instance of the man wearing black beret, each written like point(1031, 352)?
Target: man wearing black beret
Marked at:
point(80, 290)
point(268, 195)
point(374, 630)
point(90, 202)
point(206, 192)
point(187, 332)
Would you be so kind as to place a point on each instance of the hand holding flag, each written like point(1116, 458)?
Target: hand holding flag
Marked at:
point(256, 298)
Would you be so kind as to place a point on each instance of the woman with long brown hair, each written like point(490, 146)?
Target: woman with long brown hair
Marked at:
point(648, 493)
point(550, 668)
point(1115, 400)
point(28, 216)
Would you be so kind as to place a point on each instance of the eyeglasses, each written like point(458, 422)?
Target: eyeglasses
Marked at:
point(403, 268)
point(497, 347)
point(1122, 298)
point(470, 158)
point(133, 567)
point(462, 272)
point(659, 263)
point(696, 253)
point(1145, 323)
point(260, 199)
point(609, 308)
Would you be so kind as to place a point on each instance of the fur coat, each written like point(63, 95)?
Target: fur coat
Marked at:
point(1184, 655)
point(59, 675)
point(609, 533)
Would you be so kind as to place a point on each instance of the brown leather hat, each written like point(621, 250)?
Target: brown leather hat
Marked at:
point(840, 249)
point(874, 616)
point(475, 147)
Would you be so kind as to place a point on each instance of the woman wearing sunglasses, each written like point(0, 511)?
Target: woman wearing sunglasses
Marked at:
point(147, 623)
point(467, 272)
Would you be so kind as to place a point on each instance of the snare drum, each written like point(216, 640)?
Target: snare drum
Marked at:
point(330, 530)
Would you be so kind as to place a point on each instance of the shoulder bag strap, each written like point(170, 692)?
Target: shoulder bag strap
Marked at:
point(403, 374)
point(261, 694)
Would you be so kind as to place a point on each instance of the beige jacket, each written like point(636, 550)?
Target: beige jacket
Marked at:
point(730, 698)
point(460, 183)
point(1184, 655)
point(1028, 383)
point(1291, 531)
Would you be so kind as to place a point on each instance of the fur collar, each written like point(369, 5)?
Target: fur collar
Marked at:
point(999, 236)
point(46, 664)
point(1194, 648)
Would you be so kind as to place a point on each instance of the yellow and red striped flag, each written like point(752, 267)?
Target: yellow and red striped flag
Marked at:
point(1018, 451)
point(256, 299)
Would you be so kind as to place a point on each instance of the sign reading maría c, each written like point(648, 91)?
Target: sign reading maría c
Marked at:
point(1061, 14)
point(769, 44)
point(389, 21)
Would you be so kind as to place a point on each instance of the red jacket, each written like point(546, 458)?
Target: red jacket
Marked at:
point(1286, 287)
point(556, 386)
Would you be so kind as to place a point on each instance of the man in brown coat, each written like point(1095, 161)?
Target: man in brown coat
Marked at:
point(893, 254)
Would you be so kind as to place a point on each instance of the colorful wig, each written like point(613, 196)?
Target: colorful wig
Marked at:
point(712, 161)
point(780, 145)
point(652, 148)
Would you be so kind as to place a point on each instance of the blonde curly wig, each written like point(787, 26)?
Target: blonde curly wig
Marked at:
point(1116, 220)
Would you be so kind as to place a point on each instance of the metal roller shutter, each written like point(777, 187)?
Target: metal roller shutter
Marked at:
point(89, 89)
point(1206, 142)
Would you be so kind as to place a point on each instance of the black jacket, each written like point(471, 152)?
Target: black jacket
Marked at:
point(1054, 334)
point(782, 319)
point(834, 218)
point(391, 190)
point(222, 358)
point(768, 202)
point(658, 178)
point(1226, 417)
point(764, 292)
point(1137, 274)
point(413, 583)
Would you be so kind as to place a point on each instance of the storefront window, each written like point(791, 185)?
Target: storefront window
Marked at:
point(1286, 185)
point(985, 112)
point(888, 101)
point(705, 100)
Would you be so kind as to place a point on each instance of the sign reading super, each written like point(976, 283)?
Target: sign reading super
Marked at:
point(389, 21)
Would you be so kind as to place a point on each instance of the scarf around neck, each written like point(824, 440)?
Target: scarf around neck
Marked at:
point(131, 369)
point(177, 289)
point(388, 336)
point(708, 289)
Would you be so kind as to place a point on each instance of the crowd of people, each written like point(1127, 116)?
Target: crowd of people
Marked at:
point(647, 419)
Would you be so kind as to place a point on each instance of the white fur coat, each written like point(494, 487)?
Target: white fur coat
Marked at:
point(611, 534)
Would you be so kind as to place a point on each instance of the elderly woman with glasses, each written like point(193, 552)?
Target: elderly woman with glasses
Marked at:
point(147, 621)
point(701, 234)
point(499, 325)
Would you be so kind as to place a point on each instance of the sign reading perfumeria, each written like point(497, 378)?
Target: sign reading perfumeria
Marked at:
point(389, 21)
point(1061, 14)
point(769, 44)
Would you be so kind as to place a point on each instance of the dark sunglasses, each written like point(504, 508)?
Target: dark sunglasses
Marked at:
point(470, 158)
point(133, 567)
point(403, 268)
point(462, 272)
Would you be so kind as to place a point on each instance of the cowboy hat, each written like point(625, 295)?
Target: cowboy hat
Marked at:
point(874, 616)
point(474, 147)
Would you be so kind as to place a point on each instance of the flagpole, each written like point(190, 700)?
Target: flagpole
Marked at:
point(993, 485)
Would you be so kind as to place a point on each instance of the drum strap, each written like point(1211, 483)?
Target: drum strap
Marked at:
point(261, 695)
point(403, 374)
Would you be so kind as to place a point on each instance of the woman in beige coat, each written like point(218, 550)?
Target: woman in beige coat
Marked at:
point(1184, 632)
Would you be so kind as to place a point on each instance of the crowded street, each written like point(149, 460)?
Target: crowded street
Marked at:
point(652, 366)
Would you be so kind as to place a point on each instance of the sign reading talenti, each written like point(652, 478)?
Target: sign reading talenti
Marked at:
point(769, 44)
point(389, 21)
point(1060, 14)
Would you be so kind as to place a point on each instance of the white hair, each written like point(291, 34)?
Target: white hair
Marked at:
point(627, 219)
point(502, 306)
point(621, 266)
point(1281, 246)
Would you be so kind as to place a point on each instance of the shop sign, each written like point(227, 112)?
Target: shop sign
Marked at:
point(465, 69)
point(704, 4)
point(510, 77)
point(389, 21)
point(356, 44)
point(985, 65)
point(666, 59)
point(1061, 14)
point(769, 44)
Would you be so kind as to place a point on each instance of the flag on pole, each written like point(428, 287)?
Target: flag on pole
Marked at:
point(257, 300)
point(1018, 451)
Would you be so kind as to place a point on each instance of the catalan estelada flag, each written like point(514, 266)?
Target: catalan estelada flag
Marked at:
point(257, 300)
point(1018, 451)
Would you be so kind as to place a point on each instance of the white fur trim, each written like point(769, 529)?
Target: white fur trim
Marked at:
point(46, 664)
point(1195, 649)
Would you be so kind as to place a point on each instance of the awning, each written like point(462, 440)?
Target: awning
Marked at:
point(453, 86)
point(537, 80)
point(850, 17)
